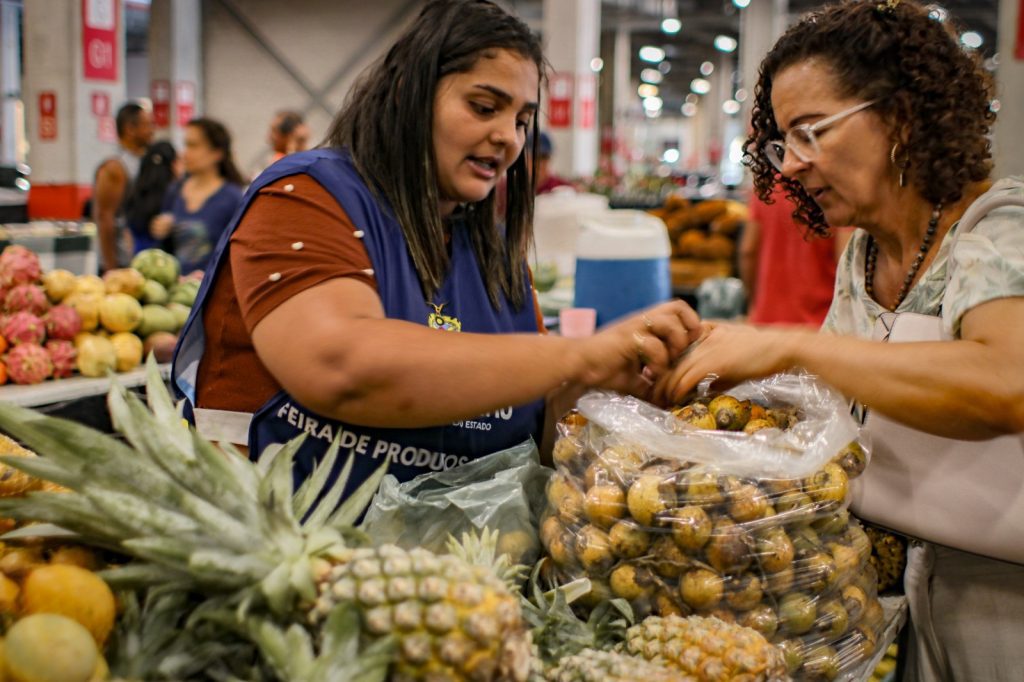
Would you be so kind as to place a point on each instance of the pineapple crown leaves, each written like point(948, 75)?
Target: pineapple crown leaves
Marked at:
point(480, 549)
point(173, 499)
point(559, 632)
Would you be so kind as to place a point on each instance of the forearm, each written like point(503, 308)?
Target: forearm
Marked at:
point(957, 389)
point(398, 374)
point(107, 233)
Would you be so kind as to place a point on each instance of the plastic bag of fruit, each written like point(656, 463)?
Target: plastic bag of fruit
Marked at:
point(733, 505)
point(503, 492)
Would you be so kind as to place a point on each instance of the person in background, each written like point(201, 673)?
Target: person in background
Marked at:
point(115, 177)
point(546, 181)
point(288, 134)
point(197, 209)
point(160, 169)
point(789, 275)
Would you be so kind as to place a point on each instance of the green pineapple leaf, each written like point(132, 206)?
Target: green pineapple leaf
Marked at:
point(352, 508)
point(310, 490)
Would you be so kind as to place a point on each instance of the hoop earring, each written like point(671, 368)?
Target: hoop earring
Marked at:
point(902, 167)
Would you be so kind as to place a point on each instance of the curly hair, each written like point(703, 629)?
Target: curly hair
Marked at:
point(935, 96)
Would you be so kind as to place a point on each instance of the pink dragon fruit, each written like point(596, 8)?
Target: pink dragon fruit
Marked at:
point(29, 363)
point(19, 265)
point(63, 355)
point(62, 322)
point(27, 297)
point(22, 328)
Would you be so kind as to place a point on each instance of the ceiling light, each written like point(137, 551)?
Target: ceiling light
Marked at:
point(689, 109)
point(741, 3)
point(652, 54)
point(938, 13)
point(700, 86)
point(971, 39)
point(741, 95)
point(693, 98)
point(725, 44)
point(670, 156)
point(731, 107)
point(707, 68)
point(651, 76)
point(647, 90)
point(596, 64)
point(653, 103)
point(664, 67)
point(671, 25)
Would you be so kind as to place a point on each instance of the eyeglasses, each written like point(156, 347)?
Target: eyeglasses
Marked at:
point(803, 141)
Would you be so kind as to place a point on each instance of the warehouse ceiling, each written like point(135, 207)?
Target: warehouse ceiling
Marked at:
point(703, 20)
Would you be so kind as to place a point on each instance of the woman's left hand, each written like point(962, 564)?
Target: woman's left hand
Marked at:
point(734, 353)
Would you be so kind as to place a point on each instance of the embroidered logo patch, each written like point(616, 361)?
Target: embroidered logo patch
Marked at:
point(438, 320)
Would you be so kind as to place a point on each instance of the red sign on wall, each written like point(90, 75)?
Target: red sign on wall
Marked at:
point(160, 93)
point(1018, 51)
point(587, 91)
point(99, 39)
point(185, 96)
point(560, 100)
point(106, 130)
point(48, 115)
point(100, 104)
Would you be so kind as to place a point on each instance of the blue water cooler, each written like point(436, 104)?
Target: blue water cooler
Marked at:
point(622, 264)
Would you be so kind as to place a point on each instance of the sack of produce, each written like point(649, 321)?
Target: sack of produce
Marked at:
point(502, 492)
point(733, 506)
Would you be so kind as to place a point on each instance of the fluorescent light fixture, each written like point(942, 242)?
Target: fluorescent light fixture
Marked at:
point(664, 67)
point(653, 103)
point(652, 76)
point(707, 68)
point(671, 25)
point(971, 39)
point(741, 95)
point(726, 44)
point(670, 156)
point(701, 86)
point(731, 107)
point(652, 54)
point(938, 13)
point(689, 109)
point(741, 3)
point(647, 90)
point(693, 98)
point(596, 64)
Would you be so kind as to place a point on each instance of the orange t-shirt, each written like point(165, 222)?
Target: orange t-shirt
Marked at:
point(290, 210)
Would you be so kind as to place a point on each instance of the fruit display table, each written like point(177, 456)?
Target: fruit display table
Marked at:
point(896, 611)
point(72, 389)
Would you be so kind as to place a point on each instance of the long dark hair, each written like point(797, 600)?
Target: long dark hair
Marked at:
point(387, 126)
point(935, 96)
point(218, 137)
point(156, 174)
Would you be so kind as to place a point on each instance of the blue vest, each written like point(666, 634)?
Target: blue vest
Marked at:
point(461, 304)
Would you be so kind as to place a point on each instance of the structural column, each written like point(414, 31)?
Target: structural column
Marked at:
point(12, 147)
point(74, 83)
point(1010, 89)
point(761, 24)
point(572, 40)
point(175, 65)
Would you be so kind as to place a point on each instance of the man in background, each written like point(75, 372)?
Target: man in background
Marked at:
point(546, 181)
point(115, 177)
point(288, 134)
point(789, 277)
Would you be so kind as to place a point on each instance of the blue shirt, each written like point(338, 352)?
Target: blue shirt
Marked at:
point(196, 232)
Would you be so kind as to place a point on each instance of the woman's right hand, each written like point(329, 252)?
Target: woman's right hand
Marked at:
point(161, 225)
point(631, 355)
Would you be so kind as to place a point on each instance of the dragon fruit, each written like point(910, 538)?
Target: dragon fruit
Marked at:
point(23, 327)
point(62, 322)
point(63, 356)
point(27, 297)
point(29, 363)
point(19, 265)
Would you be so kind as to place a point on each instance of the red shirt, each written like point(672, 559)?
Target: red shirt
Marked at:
point(796, 275)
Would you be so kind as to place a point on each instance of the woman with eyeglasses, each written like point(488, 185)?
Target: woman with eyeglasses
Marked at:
point(870, 114)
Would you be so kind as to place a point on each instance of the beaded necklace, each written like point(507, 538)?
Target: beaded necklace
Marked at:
point(926, 244)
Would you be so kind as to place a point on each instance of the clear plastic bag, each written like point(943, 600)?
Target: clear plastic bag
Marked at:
point(751, 527)
point(502, 492)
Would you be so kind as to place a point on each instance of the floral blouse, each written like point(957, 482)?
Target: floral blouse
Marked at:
point(988, 263)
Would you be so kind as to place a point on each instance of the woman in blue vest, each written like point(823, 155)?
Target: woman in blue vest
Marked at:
point(409, 333)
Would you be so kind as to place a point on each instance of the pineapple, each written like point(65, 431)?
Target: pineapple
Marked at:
point(12, 481)
point(594, 665)
point(271, 561)
point(706, 648)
